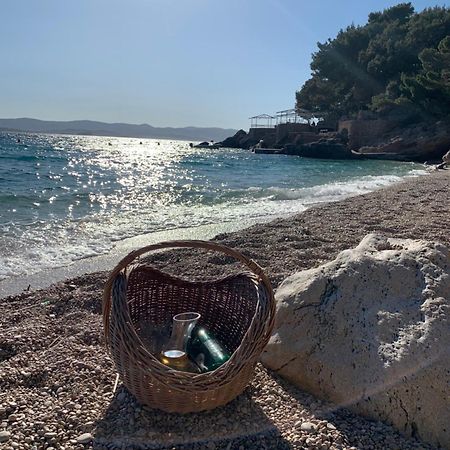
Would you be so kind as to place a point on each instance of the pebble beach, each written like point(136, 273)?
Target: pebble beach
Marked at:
point(57, 381)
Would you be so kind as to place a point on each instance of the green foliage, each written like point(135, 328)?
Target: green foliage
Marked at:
point(399, 60)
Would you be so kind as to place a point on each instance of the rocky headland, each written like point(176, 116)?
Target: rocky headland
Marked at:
point(365, 137)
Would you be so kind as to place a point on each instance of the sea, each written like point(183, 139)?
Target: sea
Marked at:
point(67, 198)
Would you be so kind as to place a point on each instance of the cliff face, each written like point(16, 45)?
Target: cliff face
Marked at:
point(378, 138)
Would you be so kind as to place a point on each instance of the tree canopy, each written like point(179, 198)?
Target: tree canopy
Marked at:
point(399, 60)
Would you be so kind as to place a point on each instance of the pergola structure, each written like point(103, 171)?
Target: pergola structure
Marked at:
point(265, 118)
point(294, 116)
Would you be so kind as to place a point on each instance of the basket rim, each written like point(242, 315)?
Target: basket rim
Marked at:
point(179, 279)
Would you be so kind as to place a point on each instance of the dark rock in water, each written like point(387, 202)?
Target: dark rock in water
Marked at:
point(248, 142)
point(324, 148)
point(234, 141)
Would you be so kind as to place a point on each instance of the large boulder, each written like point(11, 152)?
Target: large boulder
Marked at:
point(234, 141)
point(371, 331)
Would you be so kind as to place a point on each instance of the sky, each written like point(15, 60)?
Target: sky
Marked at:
point(164, 62)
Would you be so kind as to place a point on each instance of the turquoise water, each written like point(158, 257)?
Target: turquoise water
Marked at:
point(64, 198)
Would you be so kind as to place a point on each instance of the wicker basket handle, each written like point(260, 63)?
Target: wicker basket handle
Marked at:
point(207, 245)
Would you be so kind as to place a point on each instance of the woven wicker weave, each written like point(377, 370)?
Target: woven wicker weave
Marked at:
point(139, 302)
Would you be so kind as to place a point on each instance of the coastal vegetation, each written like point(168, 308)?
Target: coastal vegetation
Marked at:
point(382, 90)
point(398, 63)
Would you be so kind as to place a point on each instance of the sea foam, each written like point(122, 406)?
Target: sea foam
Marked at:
point(67, 198)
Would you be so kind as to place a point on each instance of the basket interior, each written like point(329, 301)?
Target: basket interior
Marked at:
point(227, 306)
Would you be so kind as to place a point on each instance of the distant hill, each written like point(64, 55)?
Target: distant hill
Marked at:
point(90, 127)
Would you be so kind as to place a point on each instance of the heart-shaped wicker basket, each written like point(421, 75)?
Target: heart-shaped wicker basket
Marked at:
point(139, 301)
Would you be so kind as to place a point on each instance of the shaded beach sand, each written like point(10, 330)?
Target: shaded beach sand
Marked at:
point(56, 379)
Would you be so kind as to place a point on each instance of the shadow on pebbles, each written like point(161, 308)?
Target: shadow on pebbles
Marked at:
point(56, 392)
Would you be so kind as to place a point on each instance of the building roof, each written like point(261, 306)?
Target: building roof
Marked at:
point(263, 116)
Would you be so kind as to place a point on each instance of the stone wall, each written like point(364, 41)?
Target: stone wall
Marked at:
point(283, 130)
point(304, 138)
point(364, 132)
point(260, 133)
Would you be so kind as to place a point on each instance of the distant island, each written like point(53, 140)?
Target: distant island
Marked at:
point(90, 127)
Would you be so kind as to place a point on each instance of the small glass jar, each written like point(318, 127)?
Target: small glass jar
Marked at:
point(174, 353)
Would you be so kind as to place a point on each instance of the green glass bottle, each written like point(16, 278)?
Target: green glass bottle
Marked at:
point(206, 350)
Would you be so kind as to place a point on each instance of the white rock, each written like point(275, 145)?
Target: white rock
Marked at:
point(85, 438)
point(370, 331)
point(307, 426)
point(50, 435)
point(4, 436)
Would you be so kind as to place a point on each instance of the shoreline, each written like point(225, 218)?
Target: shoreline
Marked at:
point(44, 278)
point(55, 372)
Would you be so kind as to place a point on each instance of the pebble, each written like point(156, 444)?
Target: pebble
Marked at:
point(84, 438)
point(271, 402)
point(4, 436)
point(307, 426)
point(50, 435)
